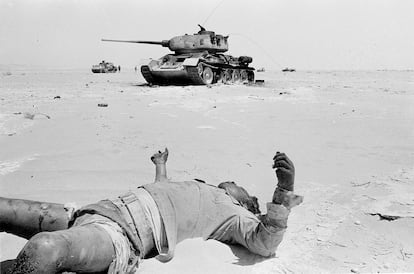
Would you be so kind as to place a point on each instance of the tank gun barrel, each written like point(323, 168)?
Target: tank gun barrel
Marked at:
point(164, 43)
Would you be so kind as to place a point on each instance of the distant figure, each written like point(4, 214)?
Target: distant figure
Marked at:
point(119, 68)
point(115, 235)
point(135, 68)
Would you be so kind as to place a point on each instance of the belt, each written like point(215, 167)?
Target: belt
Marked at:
point(134, 215)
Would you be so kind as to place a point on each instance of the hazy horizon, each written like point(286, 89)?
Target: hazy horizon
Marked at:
point(306, 35)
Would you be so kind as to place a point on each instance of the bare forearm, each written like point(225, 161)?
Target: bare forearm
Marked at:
point(160, 173)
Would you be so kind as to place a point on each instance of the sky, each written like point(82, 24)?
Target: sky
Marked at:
point(302, 34)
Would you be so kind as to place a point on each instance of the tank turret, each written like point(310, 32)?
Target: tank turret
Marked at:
point(197, 59)
point(201, 41)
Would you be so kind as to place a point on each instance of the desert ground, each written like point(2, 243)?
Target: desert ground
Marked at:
point(349, 133)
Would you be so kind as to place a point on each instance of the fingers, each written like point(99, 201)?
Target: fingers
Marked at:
point(277, 153)
point(282, 170)
point(282, 163)
point(282, 156)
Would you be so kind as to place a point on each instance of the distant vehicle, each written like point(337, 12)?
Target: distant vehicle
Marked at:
point(104, 67)
point(197, 59)
point(261, 70)
point(288, 70)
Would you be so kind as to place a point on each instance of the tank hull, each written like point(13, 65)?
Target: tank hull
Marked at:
point(104, 68)
point(197, 69)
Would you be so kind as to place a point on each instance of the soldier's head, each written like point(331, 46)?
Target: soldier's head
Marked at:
point(241, 195)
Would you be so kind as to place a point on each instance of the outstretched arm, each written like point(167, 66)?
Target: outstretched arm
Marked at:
point(263, 236)
point(160, 159)
point(285, 173)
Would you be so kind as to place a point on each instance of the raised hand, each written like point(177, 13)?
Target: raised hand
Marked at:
point(285, 171)
point(160, 157)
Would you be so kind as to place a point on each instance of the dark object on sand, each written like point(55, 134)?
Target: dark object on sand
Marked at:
point(386, 217)
point(288, 70)
point(102, 105)
point(56, 97)
point(198, 59)
point(31, 116)
point(260, 82)
point(261, 70)
point(104, 67)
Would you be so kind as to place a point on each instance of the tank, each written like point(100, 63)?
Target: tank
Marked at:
point(104, 67)
point(197, 59)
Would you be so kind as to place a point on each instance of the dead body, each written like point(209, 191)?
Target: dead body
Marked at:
point(114, 235)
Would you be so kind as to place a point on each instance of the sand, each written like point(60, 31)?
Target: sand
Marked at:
point(350, 135)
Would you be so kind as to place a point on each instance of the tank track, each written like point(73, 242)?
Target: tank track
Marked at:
point(146, 73)
point(195, 77)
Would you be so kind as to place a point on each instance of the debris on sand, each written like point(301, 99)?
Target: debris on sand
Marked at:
point(56, 97)
point(258, 82)
point(31, 116)
point(102, 105)
point(386, 217)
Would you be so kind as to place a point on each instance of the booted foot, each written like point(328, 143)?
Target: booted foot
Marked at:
point(160, 157)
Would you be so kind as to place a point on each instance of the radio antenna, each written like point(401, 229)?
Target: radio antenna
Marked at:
point(212, 12)
point(259, 46)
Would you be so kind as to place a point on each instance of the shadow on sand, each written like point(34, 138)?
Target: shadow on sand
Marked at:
point(245, 257)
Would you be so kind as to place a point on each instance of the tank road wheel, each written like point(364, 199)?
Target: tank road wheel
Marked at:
point(218, 76)
point(226, 76)
point(208, 75)
point(200, 68)
point(236, 76)
point(243, 76)
point(250, 76)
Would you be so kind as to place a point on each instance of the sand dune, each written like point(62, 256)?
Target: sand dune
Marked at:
point(350, 135)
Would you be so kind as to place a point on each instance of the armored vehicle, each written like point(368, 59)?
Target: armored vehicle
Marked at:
point(198, 59)
point(104, 67)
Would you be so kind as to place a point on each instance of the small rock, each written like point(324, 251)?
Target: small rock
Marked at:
point(355, 270)
point(102, 105)
point(56, 97)
point(357, 222)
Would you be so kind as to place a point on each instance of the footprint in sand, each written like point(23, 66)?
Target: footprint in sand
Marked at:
point(11, 166)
